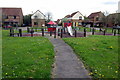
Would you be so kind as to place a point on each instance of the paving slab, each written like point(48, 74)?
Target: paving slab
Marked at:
point(67, 65)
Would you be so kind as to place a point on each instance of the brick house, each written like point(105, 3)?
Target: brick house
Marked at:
point(75, 18)
point(11, 16)
point(38, 19)
point(96, 18)
point(113, 19)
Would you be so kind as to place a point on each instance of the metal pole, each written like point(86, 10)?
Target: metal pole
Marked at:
point(75, 33)
point(118, 31)
point(32, 32)
point(20, 32)
point(10, 31)
point(55, 34)
point(50, 32)
point(42, 32)
point(84, 32)
point(93, 32)
point(115, 32)
point(28, 29)
point(58, 32)
point(104, 32)
point(61, 33)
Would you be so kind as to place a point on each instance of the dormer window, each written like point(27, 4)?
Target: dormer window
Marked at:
point(80, 18)
point(35, 16)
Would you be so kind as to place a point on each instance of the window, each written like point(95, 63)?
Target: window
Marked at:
point(35, 16)
point(35, 23)
point(80, 18)
point(14, 17)
point(97, 19)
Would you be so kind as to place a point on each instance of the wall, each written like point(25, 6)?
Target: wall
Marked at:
point(39, 15)
point(39, 21)
point(77, 15)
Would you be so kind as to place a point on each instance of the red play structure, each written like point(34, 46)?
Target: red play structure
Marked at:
point(52, 26)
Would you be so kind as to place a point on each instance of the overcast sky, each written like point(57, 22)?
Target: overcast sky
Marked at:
point(60, 8)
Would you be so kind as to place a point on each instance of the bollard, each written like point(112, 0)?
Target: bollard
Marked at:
point(93, 31)
point(64, 30)
point(104, 32)
point(10, 31)
point(115, 32)
point(75, 33)
point(112, 30)
point(50, 32)
point(55, 34)
point(28, 29)
point(42, 32)
point(100, 30)
point(61, 33)
point(118, 31)
point(20, 32)
point(32, 31)
point(84, 32)
point(58, 32)
point(31, 34)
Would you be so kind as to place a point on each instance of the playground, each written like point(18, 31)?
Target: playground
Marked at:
point(50, 55)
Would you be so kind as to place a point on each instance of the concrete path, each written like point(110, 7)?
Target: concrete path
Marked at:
point(67, 65)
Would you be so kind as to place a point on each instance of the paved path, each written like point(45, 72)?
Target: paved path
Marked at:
point(67, 65)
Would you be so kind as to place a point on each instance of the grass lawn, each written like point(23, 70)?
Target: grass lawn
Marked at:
point(26, 57)
point(0, 53)
point(98, 53)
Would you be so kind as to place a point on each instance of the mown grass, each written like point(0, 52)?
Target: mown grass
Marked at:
point(98, 53)
point(26, 57)
point(0, 53)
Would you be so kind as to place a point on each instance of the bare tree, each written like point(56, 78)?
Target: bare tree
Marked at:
point(105, 18)
point(48, 16)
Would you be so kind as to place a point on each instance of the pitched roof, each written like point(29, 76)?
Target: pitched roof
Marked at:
point(52, 22)
point(40, 12)
point(94, 14)
point(74, 13)
point(12, 11)
point(58, 20)
point(68, 16)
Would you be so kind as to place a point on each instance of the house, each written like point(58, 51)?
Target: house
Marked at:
point(11, 16)
point(59, 22)
point(38, 19)
point(75, 18)
point(96, 18)
point(113, 19)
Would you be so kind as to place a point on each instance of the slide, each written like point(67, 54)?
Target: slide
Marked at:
point(70, 30)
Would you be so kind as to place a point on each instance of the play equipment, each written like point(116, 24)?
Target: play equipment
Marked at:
point(69, 28)
point(51, 26)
